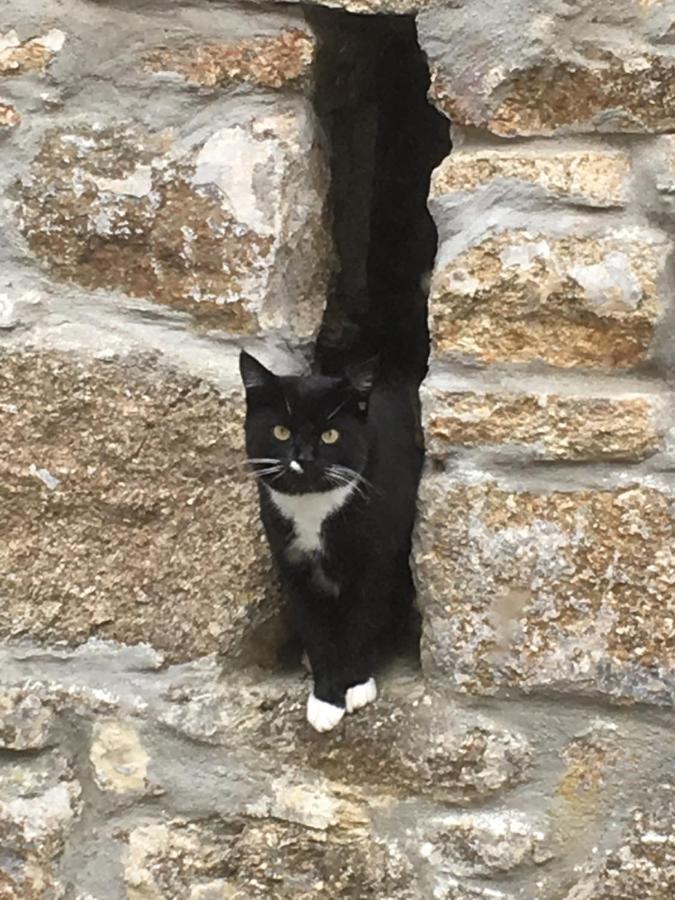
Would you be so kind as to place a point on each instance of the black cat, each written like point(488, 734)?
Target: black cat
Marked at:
point(338, 461)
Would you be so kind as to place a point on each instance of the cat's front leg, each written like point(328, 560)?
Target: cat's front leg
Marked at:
point(326, 704)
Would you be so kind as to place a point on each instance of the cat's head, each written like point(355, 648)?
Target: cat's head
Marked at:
point(306, 434)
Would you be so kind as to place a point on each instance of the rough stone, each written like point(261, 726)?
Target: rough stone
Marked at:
point(591, 177)
point(119, 760)
point(574, 301)
point(34, 55)
point(25, 720)
point(548, 426)
point(665, 180)
point(643, 864)
point(520, 68)
point(410, 743)
point(39, 802)
point(568, 591)
point(9, 116)
point(270, 62)
point(243, 857)
point(127, 510)
point(484, 844)
point(213, 224)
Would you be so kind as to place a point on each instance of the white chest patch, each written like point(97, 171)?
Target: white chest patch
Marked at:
point(308, 512)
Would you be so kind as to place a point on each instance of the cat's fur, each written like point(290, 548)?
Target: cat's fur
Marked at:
point(340, 536)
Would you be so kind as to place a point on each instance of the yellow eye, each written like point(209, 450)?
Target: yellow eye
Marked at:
point(281, 433)
point(330, 436)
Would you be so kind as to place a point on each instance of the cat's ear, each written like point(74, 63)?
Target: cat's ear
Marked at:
point(253, 373)
point(362, 376)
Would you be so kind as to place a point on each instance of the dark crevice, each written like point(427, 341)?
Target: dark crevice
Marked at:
point(385, 139)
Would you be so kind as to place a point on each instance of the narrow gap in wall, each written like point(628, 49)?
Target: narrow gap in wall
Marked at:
point(385, 139)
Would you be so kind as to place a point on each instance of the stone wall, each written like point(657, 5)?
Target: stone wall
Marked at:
point(165, 200)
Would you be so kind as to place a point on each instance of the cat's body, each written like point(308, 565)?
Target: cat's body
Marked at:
point(338, 509)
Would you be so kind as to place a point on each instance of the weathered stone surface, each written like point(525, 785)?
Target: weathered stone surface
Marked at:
point(520, 68)
point(574, 301)
point(119, 760)
point(39, 802)
point(376, 7)
point(591, 177)
point(569, 591)
point(484, 844)
point(665, 180)
point(643, 865)
point(229, 226)
point(127, 512)
point(270, 62)
point(410, 743)
point(9, 116)
point(634, 95)
point(25, 720)
point(547, 426)
point(33, 55)
point(582, 795)
point(210, 859)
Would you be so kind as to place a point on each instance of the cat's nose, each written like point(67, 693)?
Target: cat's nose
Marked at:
point(306, 455)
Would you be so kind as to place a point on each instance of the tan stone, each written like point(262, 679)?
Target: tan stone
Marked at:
point(34, 55)
point(39, 802)
point(665, 179)
point(258, 859)
point(485, 844)
point(25, 720)
point(123, 209)
point(568, 591)
point(270, 62)
point(571, 301)
point(9, 116)
point(594, 177)
point(548, 425)
point(634, 93)
point(119, 760)
point(127, 512)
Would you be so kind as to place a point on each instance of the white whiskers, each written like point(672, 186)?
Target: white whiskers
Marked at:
point(343, 476)
point(270, 466)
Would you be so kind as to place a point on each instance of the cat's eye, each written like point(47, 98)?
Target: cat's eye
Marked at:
point(330, 436)
point(281, 433)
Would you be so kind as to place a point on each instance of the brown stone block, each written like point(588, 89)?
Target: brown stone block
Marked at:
point(272, 62)
point(566, 591)
point(609, 92)
point(549, 426)
point(127, 512)
point(573, 301)
point(257, 859)
point(214, 230)
point(593, 177)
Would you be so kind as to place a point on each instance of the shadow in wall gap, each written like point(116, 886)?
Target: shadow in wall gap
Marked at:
point(385, 139)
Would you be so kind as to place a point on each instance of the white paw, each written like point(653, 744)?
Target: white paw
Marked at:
point(360, 695)
point(321, 715)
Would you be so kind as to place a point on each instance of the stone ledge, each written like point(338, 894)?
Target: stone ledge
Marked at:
point(544, 426)
point(597, 178)
point(515, 296)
